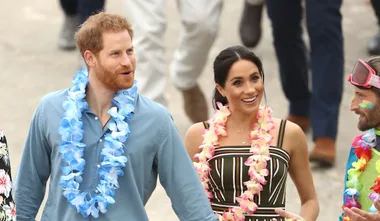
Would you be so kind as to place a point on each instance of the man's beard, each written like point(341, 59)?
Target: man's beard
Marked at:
point(371, 120)
point(107, 77)
point(110, 79)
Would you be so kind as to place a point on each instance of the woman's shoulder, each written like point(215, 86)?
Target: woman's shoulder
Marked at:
point(291, 129)
point(197, 129)
point(294, 137)
point(292, 132)
point(194, 138)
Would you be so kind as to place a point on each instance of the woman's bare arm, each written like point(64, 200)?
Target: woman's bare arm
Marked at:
point(300, 172)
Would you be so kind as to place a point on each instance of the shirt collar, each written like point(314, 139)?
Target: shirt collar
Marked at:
point(89, 111)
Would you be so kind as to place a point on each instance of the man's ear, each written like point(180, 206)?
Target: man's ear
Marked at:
point(220, 90)
point(89, 58)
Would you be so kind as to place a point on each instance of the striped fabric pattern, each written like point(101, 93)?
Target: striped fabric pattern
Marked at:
point(228, 174)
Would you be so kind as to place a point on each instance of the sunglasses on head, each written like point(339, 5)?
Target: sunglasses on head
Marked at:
point(364, 76)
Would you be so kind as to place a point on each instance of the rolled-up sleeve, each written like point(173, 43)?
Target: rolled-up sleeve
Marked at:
point(179, 178)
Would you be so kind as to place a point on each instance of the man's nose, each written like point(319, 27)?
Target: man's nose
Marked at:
point(354, 105)
point(126, 61)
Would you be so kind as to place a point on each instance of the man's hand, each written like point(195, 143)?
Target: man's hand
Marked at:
point(289, 216)
point(356, 214)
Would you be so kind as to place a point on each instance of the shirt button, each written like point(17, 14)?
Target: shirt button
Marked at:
point(96, 191)
point(98, 166)
point(96, 118)
point(101, 140)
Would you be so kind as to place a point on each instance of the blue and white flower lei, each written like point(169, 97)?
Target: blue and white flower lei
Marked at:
point(112, 156)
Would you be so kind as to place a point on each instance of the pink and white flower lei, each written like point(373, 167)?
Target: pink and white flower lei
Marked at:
point(257, 162)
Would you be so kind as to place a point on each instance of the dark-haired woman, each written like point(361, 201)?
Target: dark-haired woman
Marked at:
point(242, 154)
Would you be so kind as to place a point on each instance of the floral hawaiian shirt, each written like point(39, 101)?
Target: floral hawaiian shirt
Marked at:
point(7, 205)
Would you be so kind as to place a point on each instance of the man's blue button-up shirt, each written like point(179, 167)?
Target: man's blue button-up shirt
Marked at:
point(153, 148)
